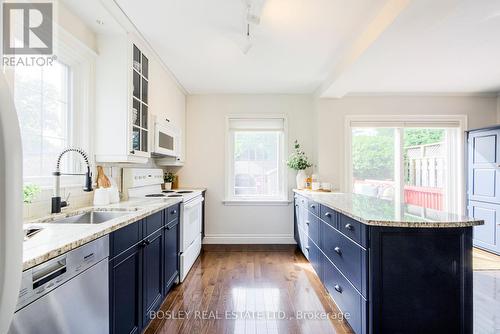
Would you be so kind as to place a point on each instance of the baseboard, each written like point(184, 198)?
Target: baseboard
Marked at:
point(245, 239)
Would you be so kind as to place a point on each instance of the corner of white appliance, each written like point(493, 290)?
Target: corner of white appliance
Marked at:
point(11, 201)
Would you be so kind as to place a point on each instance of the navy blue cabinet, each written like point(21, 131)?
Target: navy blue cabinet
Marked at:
point(388, 279)
point(483, 186)
point(171, 254)
point(143, 267)
point(125, 281)
point(152, 288)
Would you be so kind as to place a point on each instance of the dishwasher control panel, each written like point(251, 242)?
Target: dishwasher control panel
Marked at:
point(47, 276)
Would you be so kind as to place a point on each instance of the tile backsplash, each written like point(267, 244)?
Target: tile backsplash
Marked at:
point(42, 203)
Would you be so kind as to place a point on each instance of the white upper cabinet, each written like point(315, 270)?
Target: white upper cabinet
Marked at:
point(122, 130)
point(132, 89)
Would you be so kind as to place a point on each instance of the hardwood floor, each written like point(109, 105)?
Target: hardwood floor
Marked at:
point(244, 282)
point(245, 279)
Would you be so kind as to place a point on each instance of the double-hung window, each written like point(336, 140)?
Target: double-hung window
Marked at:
point(42, 96)
point(255, 159)
point(53, 104)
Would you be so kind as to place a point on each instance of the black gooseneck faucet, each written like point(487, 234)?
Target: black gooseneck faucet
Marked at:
point(57, 204)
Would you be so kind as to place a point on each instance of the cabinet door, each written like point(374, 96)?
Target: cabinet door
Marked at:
point(315, 257)
point(484, 171)
point(139, 101)
point(125, 280)
point(486, 236)
point(153, 274)
point(171, 255)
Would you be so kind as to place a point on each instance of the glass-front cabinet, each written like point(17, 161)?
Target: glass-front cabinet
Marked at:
point(122, 126)
point(140, 115)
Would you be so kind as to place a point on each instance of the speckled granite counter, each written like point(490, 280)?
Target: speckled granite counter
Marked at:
point(378, 212)
point(56, 239)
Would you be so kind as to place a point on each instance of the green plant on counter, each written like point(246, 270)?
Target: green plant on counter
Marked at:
point(298, 160)
point(168, 177)
point(29, 192)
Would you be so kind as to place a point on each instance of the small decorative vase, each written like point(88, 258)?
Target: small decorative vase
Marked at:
point(167, 186)
point(301, 177)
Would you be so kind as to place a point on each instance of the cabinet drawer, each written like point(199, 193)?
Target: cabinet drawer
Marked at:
point(328, 215)
point(124, 238)
point(313, 207)
point(349, 257)
point(301, 201)
point(313, 232)
point(153, 223)
point(350, 302)
point(353, 229)
point(172, 213)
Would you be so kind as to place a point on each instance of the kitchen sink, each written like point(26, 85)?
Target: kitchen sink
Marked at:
point(31, 231)
point(92, 217)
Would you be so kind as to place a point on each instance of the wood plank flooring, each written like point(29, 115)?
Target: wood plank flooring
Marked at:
point(245, 282)
point(245, 279)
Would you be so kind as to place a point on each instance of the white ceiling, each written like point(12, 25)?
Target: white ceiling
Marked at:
point(444, 46)
point(327, 47)
point(295, 45)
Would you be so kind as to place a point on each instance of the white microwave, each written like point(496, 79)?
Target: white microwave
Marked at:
point(166, 140)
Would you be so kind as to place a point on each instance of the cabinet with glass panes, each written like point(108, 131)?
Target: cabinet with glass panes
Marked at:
point(122, 100)
point(140, 79)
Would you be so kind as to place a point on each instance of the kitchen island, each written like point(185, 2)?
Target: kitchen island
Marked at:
point(389, 267)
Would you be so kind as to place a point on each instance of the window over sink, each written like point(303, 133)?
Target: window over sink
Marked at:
point(255, 159)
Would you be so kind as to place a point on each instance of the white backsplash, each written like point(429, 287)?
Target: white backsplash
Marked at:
point(42, 203)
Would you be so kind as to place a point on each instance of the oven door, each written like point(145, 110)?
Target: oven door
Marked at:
point(166, 140)
point(191, 222)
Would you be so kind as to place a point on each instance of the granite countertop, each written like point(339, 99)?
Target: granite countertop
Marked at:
point(378, 212)
point(56, 239)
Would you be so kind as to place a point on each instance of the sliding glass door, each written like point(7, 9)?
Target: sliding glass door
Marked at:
point(417, 166)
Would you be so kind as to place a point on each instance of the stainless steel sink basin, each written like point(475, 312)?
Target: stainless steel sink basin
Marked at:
point(31, 231)
point(92, 217)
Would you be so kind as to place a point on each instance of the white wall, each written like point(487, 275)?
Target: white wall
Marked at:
point(330, 114)
point(205, 164)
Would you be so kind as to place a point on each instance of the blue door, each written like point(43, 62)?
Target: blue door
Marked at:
point(486, 236)
point(484, 166)
point(484, 187)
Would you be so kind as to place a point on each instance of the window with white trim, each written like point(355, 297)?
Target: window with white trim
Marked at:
point(42, 95)
point(54, 107)
point(415, 160)
point(255, 159)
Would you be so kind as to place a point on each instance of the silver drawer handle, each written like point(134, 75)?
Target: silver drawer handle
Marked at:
point(338, 288)
point(337, 250)
point(349, 227)
point(313, 206)
point(328, 214)
point(308, 222)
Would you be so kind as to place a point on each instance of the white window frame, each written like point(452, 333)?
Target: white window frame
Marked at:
point(282, 172)
point(81, 62)
point(455, 195)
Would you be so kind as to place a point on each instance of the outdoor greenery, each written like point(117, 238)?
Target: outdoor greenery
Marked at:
point(29, 192)
point(298, 160)
point(373, 150)
point(373, 154)
point(414, 137)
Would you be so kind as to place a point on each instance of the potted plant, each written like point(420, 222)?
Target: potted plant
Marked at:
point(29, 192)
point(298, 161)
point(168, 178)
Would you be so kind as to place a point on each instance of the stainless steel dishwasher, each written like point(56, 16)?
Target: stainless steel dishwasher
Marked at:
point(68, 294)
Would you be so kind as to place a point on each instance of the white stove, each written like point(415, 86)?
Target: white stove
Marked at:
point(146, 183)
